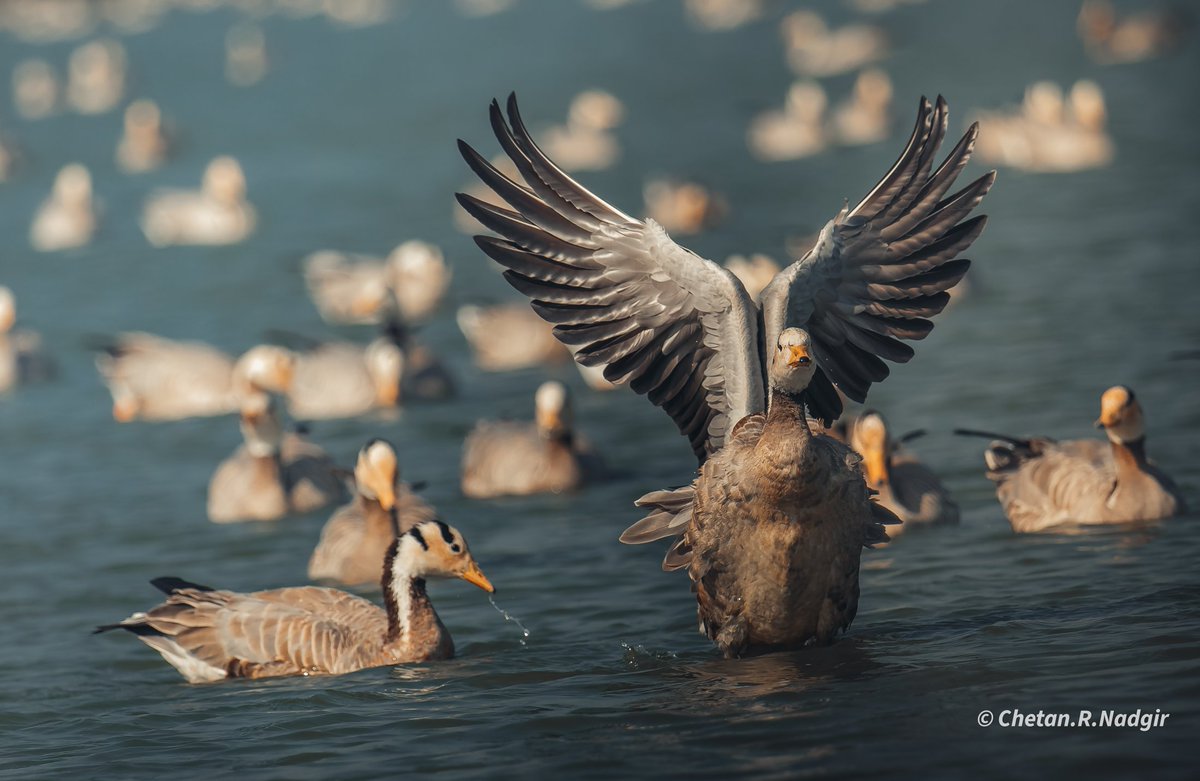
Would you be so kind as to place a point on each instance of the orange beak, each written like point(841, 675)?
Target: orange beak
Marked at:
point(475, 577)
point(387, 498)
point(798, 356)
point(124, 411)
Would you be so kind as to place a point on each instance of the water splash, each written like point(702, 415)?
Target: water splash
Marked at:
point(510, 617)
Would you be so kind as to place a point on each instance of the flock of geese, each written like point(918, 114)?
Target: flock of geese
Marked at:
point(754, 367)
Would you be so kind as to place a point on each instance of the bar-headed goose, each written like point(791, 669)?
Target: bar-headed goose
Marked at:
point(1042, 483)
point(22, 358)
point(210, 635)
point(67, 219)
point(683, 331)
point(508, 337)
point(503, 458)
point(272, 474)
point(217, 213)
point(153, 378)
point(355, 537)
point(905, 485)
point(144, 146)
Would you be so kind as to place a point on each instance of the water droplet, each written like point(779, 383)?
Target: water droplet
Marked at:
point(509, 617)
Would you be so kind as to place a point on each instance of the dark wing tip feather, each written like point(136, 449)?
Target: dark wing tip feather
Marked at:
point(169, 585)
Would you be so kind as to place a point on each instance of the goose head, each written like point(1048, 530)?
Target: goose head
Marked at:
point(224, 180)
point(8, 310)
point(792, 365)
point(73, 186)
point(261, 427)
point(438, 550)
point(143, 120)
point(1121, 415)
point(265, 368)
point(869, 438)
point(552, 410)
point(376, 473)
point(384, 360)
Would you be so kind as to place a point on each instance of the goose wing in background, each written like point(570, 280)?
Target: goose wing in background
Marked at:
point(879, 270)
point(621, 294)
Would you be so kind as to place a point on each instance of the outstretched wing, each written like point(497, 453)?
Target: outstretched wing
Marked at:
point(620, 293)
point(879, 270)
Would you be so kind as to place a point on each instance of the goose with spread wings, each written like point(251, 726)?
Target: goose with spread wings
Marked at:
point(683, 331)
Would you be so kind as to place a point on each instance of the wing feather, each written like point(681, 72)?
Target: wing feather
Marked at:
point(879, 271)
point(674, 326)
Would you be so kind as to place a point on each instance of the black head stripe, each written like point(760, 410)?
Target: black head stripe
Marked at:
point(447, 535)
point(416, 534)
point(1131, 398)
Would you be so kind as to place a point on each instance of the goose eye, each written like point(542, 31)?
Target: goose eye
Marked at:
point(805, 361)
point(456, 548)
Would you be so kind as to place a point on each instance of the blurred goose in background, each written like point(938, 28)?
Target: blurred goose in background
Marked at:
point(67, 219)
point(272, 474)
point(418, 277)
point(344, 379)
point(358, 289)
point(683, 331)
point(720, 15)
point(503, 458)
point(210, 635)
point(684, 207)
point(35, 89)
point(508, 337)
point(21, 357)
point(1141, 35)
point(245, 55)
point(355, 538)
point(1048, 135)
point(1042, 483)
point(218, 213)
point(586, 142)
point(144, 145)
point(905, 486)
point(96, 76)
point(815, 50)
point(754, 272)
point(153, 378)
point(865, 117)
point(795, 132)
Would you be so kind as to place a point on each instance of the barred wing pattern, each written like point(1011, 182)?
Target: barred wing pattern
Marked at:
point(620, 293)
point(880, 270)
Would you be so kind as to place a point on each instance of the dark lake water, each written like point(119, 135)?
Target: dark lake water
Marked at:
point(1083, 281)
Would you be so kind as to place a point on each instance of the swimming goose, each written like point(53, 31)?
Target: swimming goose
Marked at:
point(272, 474)
point(21, 356)
point(1042, 483)
point(144, 145)
point(904, 485)
point(1048, 134)
point(721, 15)
point(815, 50)
point(684, 207)
point(508, 337)
point(245, 54)
point(1138, 36)
point(355, 538)
point(96, 76)
point(209, 635)
point(864, 117)
point(35, 89)
point(153, 378)
point(796, 131)
point(585, 142)
point(67, 219)
point(359, 289)
point(216, 214)
point(502, 458)
point(344, 379)
point(418, 277)
point(777, 523)
point(683, 330)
